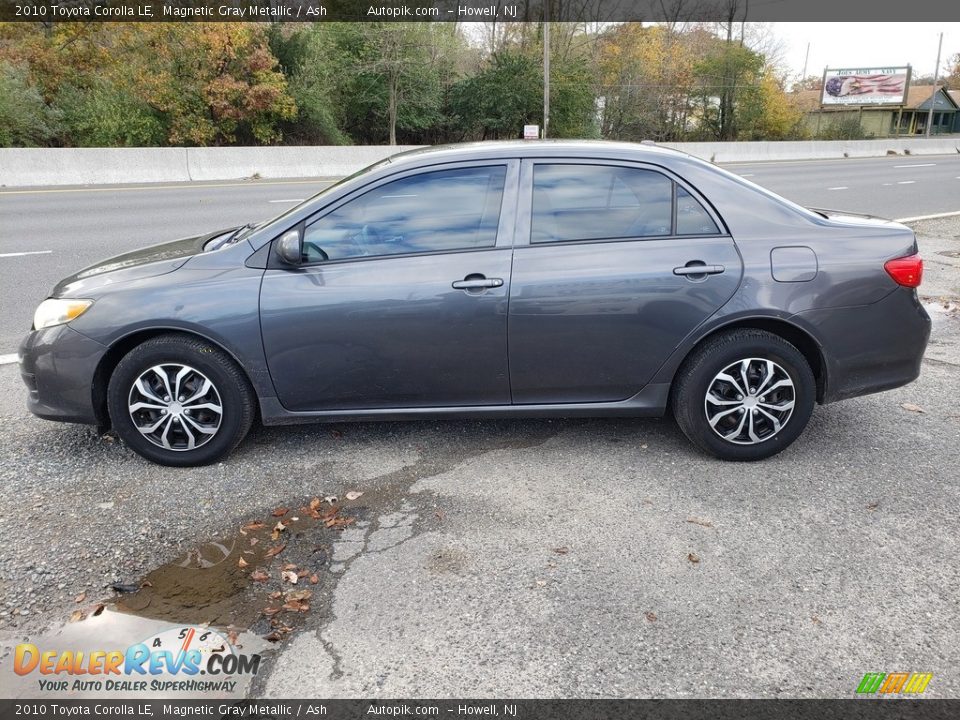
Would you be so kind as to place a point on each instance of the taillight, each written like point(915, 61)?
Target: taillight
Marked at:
point(906, 271)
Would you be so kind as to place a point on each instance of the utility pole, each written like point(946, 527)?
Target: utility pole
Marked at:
point(806, 58)
point(546, 67)
point(933, 96)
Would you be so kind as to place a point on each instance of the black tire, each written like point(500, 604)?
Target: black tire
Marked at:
point(699, 374)
point(213, 434)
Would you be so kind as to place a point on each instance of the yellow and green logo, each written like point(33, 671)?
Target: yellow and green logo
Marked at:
point(894, 683)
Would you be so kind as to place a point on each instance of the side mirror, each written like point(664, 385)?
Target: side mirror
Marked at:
point(290, 247)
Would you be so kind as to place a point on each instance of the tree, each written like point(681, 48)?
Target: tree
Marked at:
point(25, 119)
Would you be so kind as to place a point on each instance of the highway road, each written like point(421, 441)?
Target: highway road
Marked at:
point(48, 233)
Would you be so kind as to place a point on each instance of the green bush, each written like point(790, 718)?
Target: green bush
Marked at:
point(106, 116)
point(25, 119)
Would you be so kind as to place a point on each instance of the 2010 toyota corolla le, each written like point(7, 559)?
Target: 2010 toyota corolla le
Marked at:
point(491, 280)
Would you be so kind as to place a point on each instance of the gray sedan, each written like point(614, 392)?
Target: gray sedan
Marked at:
point(488, 280)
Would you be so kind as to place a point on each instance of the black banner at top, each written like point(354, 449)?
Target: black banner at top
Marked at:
point(852, 11)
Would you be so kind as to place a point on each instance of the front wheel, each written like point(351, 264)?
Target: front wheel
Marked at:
point(177, 400)
point(744, 395)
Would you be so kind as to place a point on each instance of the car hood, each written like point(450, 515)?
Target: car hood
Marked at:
point(135, 265)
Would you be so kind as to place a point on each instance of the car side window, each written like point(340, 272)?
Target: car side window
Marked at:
point(601, 202)
point(443, 210)
point(594, 202)
point(692, 218)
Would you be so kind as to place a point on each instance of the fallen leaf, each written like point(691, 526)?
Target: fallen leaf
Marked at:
point(289, 566)
point(912, 408)
point(354, 494)
point(816, 621)
point(314, 579)
point(80, 598)
point(275, 550)
point(299, 595)
point(273, 637)
point(259, 575)
point(289, 576)
point(77, 616)
point(700, 521)
point(561, 550)
point(146, 583)
point(271, 610)
point(232, 637)
point(279, 528)
point(242, 563)
point(315, 503)
point(439, 515)
point(97, 609)
point(302, 573)
point(693, 557)
point(280, 512)
point(339, 522)
point(873, 506)
point(276, 595)
point(253, 525)
point(254, 541)
point(336, 434)
point(650, 616)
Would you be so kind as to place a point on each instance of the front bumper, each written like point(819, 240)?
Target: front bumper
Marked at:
point(58, 366)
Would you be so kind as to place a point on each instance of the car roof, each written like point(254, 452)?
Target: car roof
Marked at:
point(533, 149)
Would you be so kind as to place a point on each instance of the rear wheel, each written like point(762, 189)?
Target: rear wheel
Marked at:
point(744, 395)
point(177, 400)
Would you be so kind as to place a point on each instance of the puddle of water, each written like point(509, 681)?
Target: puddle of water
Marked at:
point(265, 577)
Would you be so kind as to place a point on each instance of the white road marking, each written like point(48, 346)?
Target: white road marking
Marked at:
point(917, 165)
point(28, 252)
point(747, 175)
point(839, 187)
point(9, 359)
point(928, 217)
point(906, 182)
point(291, 200)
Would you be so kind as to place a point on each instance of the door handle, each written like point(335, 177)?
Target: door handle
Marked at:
point(699, 270)
point(477, 283)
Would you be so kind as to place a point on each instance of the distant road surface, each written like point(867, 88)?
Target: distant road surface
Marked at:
point(48, 233)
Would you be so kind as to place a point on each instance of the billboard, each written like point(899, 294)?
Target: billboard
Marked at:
point(865, 86)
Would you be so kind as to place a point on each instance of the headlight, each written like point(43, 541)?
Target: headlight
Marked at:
point(57, 311)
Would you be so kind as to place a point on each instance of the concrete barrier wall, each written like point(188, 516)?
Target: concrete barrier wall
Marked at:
point(81, 166)
point(730, 152)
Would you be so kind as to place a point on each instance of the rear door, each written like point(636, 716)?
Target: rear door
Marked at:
point(402, 298)
point(614, 264)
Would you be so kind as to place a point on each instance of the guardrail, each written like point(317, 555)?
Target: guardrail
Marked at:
point(92, 166)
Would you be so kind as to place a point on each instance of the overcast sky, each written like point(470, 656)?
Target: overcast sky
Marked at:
point(838, 45)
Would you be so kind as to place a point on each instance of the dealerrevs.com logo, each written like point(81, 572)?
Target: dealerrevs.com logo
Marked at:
point(898, 683)
point(187, 659)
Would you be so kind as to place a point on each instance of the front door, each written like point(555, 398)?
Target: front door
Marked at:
point(402, 298)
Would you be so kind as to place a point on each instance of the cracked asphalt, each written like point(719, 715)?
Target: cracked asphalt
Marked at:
point(564, 558)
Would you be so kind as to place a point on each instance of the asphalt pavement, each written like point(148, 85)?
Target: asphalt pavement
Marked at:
point(536, 558)
point(49, 233)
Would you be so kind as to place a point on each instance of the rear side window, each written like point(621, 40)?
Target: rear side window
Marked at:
point(445, 210)
point(692, 218)
point(597, 202)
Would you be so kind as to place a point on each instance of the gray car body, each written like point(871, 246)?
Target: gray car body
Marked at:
point(585, 328)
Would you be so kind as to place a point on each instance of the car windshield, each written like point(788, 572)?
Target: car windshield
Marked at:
point(290, 211)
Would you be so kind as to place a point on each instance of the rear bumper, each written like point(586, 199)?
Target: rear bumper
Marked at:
point(57, 365)
point(871, 348)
